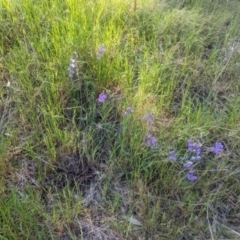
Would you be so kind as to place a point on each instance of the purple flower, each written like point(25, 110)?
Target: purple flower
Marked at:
point(148, 117)
point(218, 147)
point(188, 164)
point(191, 177)
point(196, 158)
point(151, 141)
point(102, 97)
point(100, 51)
point(172, 155)
point(128, 111)
point(195, 148)
point(198, 149)
point(190, 145)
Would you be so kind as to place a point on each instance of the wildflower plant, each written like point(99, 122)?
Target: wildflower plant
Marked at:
point(195, 148)
point(193, 156)
point(72, 67)
point(151, 140)
point(148, 117)
point(102, 97)
point(217, 148)
point(188, 164)
point(172, 155)
point(191, 176)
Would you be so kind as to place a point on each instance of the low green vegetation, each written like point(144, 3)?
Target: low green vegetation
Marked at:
point(119, 119)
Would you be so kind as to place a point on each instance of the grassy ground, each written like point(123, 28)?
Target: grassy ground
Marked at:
point(75, 166)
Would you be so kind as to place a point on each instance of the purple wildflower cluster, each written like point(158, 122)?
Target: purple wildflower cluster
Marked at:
point(190, 176)
point(194, 148)
point(102, 97)
point(217, 148)
point(151, 141)
point(193, 156)
point(148, 117)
